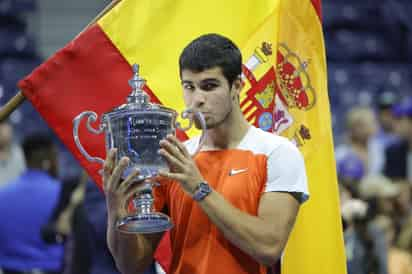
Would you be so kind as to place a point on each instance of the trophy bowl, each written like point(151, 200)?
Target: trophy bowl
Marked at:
point(135, 129)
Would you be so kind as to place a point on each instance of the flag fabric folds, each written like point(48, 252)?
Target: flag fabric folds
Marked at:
point(303, 115)
point(285, 91)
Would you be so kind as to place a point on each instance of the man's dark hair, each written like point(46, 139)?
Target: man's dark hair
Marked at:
point(209, 51)
point(37, 146)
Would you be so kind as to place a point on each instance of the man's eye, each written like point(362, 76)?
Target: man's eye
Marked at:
point(209, 87)
point(188, 87)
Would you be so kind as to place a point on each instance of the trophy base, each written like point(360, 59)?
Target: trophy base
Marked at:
point(145, 223)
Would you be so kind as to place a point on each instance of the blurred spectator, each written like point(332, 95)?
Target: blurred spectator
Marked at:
point(95, 207)
point(11, 156)
point(361, 126)
point(26, 204)
point(68, 224)
point(399, 259)
point(381, 195)
point(404, 201)
point(79, 220)
point(398, 164)
point(344, 194)
point(366, 250)
point(405, 236)
point(102, 260)
point(350, 171)
point(386, 134)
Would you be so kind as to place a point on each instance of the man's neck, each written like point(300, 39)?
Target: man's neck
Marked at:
point(228, 134)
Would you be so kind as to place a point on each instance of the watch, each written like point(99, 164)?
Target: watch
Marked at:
point(203, 189)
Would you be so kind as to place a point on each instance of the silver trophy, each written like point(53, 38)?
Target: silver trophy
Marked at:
point(135, 129)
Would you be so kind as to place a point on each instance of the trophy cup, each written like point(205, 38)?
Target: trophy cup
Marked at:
point(135, 129)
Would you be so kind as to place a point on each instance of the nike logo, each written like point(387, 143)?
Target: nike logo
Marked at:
point(236, 171)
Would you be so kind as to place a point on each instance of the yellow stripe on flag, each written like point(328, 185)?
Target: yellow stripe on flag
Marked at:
point(316, 244)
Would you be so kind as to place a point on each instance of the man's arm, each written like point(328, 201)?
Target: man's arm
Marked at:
point(132, 253)
point(263, 236)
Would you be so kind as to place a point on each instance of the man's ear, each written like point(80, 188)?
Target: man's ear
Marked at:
point(237, 86)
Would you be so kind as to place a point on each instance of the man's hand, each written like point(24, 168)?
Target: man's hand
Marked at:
point(182, 167)
point(118, 192)
point(133, 253)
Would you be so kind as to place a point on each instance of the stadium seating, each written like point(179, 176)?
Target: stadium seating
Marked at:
point(16, 6)
point(15, 43)
point(368, 51)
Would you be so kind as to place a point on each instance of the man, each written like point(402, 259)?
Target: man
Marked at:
point(25, 206)
point(350, 171)
point(69, 226)
point(11, 156)
point(386, 134)
point(96, 213)
point(398, 164)
point(235, 202)
point(361, 126)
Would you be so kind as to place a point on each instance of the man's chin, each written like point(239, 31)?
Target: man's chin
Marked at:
point(198, 125)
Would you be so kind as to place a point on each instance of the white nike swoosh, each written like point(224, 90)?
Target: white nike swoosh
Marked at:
point(236, 171)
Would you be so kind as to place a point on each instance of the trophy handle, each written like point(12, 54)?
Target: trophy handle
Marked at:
point(92, 117)
point(192, 116)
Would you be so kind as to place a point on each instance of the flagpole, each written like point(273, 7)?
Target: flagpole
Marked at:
point(11, 105)
point(101, 14)
point(19, 98)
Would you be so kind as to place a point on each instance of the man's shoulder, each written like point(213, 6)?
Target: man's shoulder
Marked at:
point(256, 141)
point(262, 142)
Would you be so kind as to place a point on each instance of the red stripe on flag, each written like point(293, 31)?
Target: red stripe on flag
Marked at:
point(89, 73)
point(317, 4)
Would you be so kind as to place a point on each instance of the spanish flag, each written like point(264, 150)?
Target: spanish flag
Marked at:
point(285, 91)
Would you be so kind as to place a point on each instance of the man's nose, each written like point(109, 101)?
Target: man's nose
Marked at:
point(199, 98)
